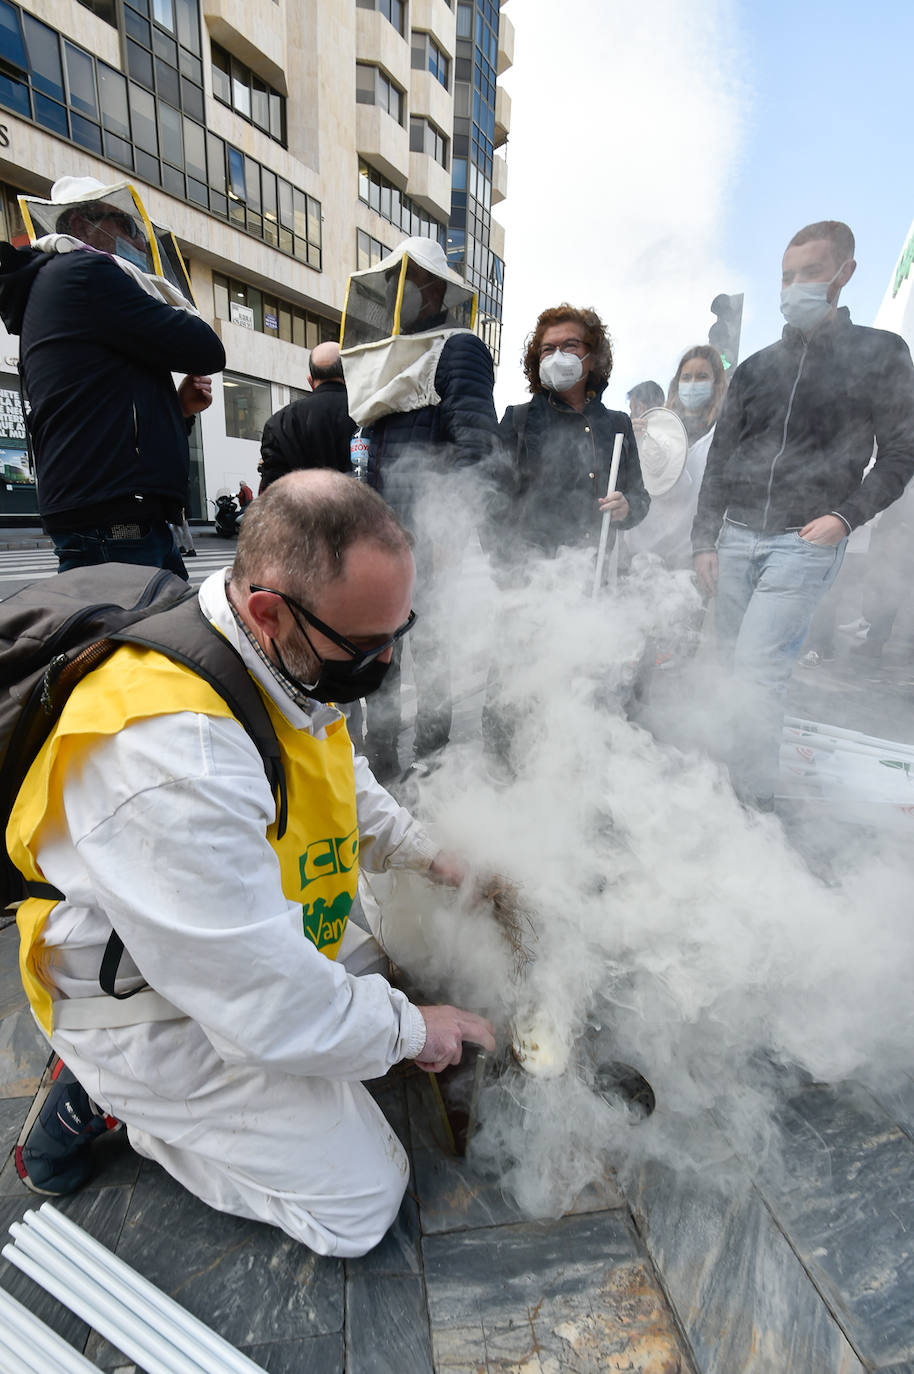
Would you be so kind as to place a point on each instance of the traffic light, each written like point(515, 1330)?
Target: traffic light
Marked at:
point(724, 335)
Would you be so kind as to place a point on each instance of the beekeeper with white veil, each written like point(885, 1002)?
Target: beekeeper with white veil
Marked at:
point(420, 386)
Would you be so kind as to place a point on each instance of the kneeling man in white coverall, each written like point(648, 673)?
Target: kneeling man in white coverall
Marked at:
point(149, 808)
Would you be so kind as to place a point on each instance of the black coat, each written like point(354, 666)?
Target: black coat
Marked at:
point(461, 431)
point(796, 432)
point(562, 459)
point(97, 353)
point(312, 432)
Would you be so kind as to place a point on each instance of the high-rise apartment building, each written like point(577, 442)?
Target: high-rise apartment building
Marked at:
point(287, 143)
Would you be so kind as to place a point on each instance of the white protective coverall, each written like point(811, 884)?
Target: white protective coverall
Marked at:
point(254, 1100)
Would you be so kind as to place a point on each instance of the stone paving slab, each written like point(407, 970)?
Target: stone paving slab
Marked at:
point(572, 1294)
point(744, 1299)
point(844, 1193)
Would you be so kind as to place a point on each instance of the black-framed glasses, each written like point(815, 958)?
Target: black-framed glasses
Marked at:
point(566, 346)
point(361, 657)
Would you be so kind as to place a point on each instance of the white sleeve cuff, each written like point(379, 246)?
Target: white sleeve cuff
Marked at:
point(415, 1032)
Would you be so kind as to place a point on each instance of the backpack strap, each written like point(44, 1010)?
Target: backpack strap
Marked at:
point(184, 635)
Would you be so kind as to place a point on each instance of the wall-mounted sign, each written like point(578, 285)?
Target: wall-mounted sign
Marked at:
point(270, 321)
point(12, 424)
point(241, 315)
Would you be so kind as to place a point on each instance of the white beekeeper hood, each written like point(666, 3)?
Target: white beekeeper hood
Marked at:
point(410, 291)
point(148, 248)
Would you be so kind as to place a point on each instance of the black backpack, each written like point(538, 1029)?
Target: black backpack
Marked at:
point(54, 632)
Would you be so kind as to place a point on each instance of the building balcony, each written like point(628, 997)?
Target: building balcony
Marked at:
point(377, 41)
point(383, 142)
point(428, 98)
point(256, 35)
point(430, 185)
point(437, 18)
point(502, 116)
point(499, 179)
point(505, 43)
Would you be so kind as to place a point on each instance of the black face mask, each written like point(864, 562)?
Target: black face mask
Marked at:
point(339, 680)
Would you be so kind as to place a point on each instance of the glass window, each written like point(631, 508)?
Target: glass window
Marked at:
point(143, 116)
point(260, 104)
point(172, 143)
point(298, 328)
point(236, 174)
point(364, 84)
point(136, 27)
point(277, 117)
point(314, 221)
point(112, 89)
point(44, 57)
point(216, 160)
point(86, 133)
point(146, 166)
point(51, 114)
point(222, 78)
point(139, 63)
point(312, 332)
point(14, 95)
point(464, 21)
point(252, 184)
point(248, 406)
point(220, 296)
point(163, 13)
point(168, 86)
point(189, 23)
point(118, 150)
point(103, 8)
point(285, 323)
point(195, 149)
point(165, 47)
point(12, 47)
point(270, 317)
point(241, 89)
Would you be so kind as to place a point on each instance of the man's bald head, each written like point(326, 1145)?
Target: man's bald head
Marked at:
point(296, 535)
point(325, 364)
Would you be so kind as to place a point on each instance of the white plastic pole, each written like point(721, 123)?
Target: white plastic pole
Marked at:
point(35, 1257)
point(141, 1296)
point(604, 528)
point(44, 1347)
point(837, 732)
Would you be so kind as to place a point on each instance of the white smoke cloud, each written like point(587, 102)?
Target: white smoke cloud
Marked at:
point(690, 931)
point(625, 135)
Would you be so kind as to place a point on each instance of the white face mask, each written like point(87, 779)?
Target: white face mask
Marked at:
point(805, 304)
point(560, 371)
point(695, 395)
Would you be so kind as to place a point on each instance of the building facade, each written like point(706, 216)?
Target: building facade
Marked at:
point(286, 143)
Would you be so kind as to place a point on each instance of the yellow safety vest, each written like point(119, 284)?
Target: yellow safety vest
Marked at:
point(318, 854)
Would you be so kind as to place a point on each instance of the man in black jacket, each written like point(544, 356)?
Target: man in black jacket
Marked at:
point(315, 431)
point(786, 481)
point(99, 342)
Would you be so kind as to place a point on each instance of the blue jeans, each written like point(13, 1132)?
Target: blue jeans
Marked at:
point(88, 548)
point(768, 588)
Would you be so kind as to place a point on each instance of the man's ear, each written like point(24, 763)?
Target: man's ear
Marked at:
point(266, 610)
point(845, 274)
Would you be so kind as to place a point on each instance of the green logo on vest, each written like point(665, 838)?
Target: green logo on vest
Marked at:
point(324, 858)
point(324, 924)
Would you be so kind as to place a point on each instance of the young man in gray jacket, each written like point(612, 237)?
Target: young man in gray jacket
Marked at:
point(786, 482)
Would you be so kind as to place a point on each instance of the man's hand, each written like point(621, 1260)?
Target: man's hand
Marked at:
point(448, 869)
point(706, 573)
point(828, 530)
point(195, 394)
point(616, 504)
point(447, 1028)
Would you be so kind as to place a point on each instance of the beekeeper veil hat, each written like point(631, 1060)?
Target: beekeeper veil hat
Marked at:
point(410, 291)
point(117, 221)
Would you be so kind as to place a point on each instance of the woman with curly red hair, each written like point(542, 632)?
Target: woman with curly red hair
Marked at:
point(562, 439)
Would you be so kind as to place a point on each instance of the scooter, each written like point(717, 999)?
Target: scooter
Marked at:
point(227, 516)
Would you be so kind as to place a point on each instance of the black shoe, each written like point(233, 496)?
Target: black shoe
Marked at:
point(53, 1155)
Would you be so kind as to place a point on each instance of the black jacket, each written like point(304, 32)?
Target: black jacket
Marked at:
point(461, 431)
point(796, 432)
point(312, 432)
point(97, 355)
point(562, 459)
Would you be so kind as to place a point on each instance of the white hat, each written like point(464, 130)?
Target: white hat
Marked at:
point(662, 450)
